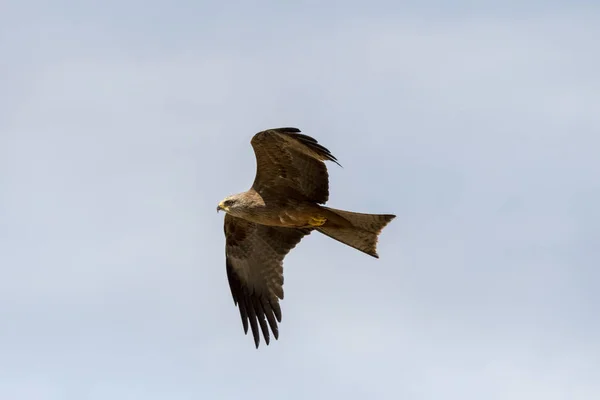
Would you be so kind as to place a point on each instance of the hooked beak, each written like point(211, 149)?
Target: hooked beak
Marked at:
point(220, 207)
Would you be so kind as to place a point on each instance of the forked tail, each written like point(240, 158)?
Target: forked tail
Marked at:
point(356, 229)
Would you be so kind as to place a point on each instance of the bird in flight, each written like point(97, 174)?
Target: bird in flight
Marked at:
point(284, 204)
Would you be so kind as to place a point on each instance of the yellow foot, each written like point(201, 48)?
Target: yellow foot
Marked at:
point(317, 221)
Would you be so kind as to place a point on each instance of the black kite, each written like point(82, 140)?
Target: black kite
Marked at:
point(284, 204)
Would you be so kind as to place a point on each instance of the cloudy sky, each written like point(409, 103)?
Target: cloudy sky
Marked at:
point(123, 123)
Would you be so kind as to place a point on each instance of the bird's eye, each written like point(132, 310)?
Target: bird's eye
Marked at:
point(228, 202)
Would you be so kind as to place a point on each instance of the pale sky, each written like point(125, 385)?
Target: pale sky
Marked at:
point(123, 124)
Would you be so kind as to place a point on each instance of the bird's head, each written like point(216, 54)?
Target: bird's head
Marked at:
point(229, 204)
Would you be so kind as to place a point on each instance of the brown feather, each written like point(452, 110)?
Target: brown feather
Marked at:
point(291, 165)
point(363, 231)
point(254, 260)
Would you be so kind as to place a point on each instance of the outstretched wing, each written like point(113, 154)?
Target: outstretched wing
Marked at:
point(254, 258)
point(290, 165)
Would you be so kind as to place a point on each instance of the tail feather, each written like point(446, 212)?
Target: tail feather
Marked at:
point(362, 231)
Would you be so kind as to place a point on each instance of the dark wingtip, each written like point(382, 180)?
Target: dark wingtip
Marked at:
point(316, 146)
point(287, 129)
point(312, 142)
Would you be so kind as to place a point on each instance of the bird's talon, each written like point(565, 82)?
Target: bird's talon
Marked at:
point(317, 221)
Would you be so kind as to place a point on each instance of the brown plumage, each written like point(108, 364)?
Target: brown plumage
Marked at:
point(283, 205)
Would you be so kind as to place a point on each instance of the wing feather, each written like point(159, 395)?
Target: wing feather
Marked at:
point(254, 261)
point(291, 165)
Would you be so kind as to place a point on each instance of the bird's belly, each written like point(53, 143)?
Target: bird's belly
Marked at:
point(291, 218)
